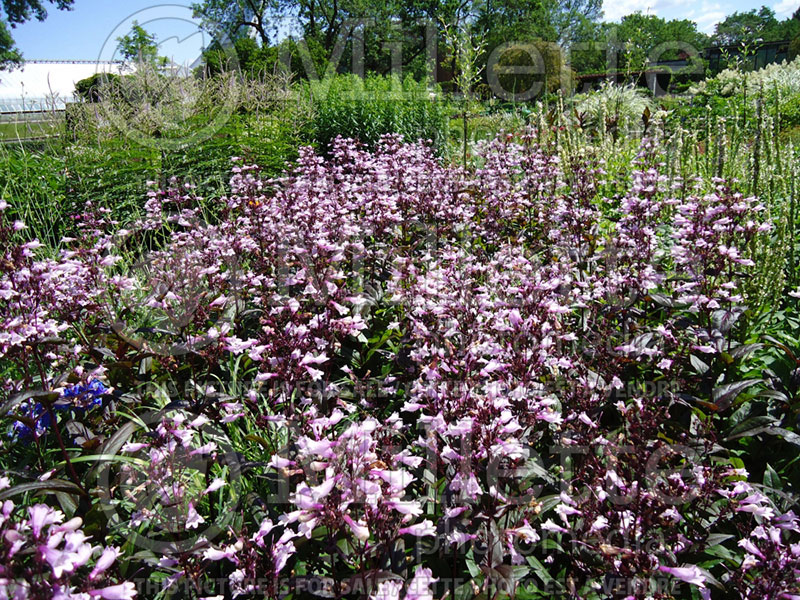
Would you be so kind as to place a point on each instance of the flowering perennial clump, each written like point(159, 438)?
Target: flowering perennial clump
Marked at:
point(383, 376)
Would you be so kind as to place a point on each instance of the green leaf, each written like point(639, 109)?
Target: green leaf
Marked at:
point(750, 427)
point(736, 462)
point(40, 395)
point(773, 395)
point(723, 320)
point(717, 538)
point(472, 566)
point(52, 485)
point(542, 572)
point(724, 395)
point(787, 435)
point(106, 458)
point(772, 479)
point(745, 349)
point(67, 503)
point(699, 366)
point(113, 445)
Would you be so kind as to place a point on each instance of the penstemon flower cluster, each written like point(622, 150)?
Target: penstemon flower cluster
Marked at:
point(423, 380)
point(46, 556)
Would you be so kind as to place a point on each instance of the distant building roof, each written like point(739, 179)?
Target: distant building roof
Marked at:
point(49, 84)
point(737, 48)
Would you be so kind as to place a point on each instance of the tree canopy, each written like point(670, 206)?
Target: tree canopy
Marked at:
point(391, 32)
point(755, 25)
point(140, 45)
point(9, 54)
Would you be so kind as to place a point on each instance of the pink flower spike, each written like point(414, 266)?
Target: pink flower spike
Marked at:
point(133, 446)
point(281, 554)
point(214, 554)
point(387, 590)
point(42, 515)
point(419, 588)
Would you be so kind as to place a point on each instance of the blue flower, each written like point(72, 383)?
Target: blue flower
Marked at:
point(37, 413)
point(78, 398)
point(81, 397)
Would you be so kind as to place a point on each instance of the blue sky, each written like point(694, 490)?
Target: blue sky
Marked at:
point(89, 31)
point(706, 13)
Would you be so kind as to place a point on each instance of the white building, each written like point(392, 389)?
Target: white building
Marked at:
point(48, 84)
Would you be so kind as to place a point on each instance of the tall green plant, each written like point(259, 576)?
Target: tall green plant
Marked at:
point(365, 109)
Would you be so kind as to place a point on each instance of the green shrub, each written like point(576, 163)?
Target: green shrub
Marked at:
point(91, 89)
point(790, 112)
point(366, 109)
point(794, 48)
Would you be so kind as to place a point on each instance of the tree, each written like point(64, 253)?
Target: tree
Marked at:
point(238, 18)
point(391, 32)
point(9, 54)
point(20, 11)
point(648, 38)
point(568, 17)
point(753, 26)
point(16, 12)
point(93, 87)
point(246, 55)
point(588, 52)
point(634, 43)
point(139, 45)
point(327, 29)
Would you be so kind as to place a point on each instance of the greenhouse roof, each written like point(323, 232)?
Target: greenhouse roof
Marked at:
point(48, 84)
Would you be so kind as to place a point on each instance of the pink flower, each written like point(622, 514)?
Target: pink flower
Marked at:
point(549, 525)
point(123, 591)
point(281, 554)
point(214, 486)
point(387, 590)
point(690, 574)
point(106, 559)
point(419, 586)
point(360, 531)
point(42, 515)
point(133, 447)
point(420, 529)
point(214, 554)
point(66, 561)
point(193, 518)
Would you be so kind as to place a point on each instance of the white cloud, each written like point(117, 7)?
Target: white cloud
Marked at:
point(709, 15)
point(707, 22)
point(668, 9)
point(706, 15)
point(785, 8)
point(616, 9)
